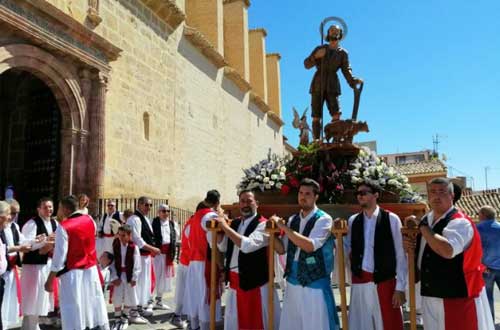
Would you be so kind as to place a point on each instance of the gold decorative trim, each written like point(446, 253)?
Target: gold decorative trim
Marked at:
point(205, 47)
point(259, 102)
point(238, 80)
point(167, 10)
point(274, 117)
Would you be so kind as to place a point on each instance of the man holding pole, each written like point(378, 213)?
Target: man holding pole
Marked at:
point(308, 302)
point(378, 265)
point(246, 266)
point(198, 279)
point(449, 256)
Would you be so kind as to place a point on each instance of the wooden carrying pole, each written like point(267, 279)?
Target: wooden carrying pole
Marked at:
point(410, 230)
point(272, 229)
point(339, 229)
point(213, 227)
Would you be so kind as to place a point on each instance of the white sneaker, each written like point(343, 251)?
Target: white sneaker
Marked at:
point(148, 311)
point(137, 320)
point(178, 322)
point(160, 305)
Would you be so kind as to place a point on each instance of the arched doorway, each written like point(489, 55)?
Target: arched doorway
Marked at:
point(30, 139)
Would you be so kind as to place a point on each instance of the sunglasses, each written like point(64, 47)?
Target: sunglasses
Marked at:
point(165, 211)
point(150, 204)
point(111, 205)
point(363, 192)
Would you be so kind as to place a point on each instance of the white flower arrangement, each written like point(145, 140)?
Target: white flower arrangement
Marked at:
point(268, 174)
point(369, 167)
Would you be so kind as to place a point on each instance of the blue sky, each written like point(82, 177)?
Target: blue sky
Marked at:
point(430, 67)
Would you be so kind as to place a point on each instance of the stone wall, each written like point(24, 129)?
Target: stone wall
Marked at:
point(203, 129)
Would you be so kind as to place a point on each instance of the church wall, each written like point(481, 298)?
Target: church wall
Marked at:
point(203, 130)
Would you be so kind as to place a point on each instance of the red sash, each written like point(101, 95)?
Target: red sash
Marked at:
point(12, 260)
point(392, 318)
point(169, 262)
point(108, 235)
point(248, 304)
point(153, 278)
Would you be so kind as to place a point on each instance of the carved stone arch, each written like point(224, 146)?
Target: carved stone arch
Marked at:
point(57, 75)
point(65, 85)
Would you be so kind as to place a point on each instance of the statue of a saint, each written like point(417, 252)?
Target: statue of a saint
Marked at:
point(325, 86)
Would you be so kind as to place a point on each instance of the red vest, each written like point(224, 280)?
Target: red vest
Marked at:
point(81, 242)
point(458, 277)
point(198, 244)
point(473, 267)
point(184, 253)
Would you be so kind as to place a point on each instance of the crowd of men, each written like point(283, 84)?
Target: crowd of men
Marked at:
point(67, 265)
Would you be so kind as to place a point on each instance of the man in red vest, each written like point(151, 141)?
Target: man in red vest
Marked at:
point(449, 254)
point(197, 292)
point(75, 263)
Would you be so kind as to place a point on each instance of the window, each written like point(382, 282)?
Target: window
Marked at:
point(145, 120)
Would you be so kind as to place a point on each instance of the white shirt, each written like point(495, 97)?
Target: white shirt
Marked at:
point(458, 232)
point(368, 263)
point(135, 222)
point(61, 248)
point(207, 217)
point(165, 230)
point(137, 264)
point(9, 236)
point(320, 232)
point(106, 224)
point(257, 240)
point(29, 232)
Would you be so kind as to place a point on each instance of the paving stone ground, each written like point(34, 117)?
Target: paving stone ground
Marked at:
point(160, 319)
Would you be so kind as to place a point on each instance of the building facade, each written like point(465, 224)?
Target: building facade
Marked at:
point(130, 97)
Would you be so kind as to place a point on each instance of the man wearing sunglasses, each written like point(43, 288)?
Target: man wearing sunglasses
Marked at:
point(143, 237)
point(378, 264)
point(165, 233)
point(106, 233)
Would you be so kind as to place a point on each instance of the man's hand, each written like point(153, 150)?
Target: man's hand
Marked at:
point(133, 283)
point(49, 285)
point(320, 53)
point(49, 246)
point(398, 299)
point(40, 238)
point(155, 251)
point(222, 219)
point(117, 282)
point(24, 248)
point(278, 221)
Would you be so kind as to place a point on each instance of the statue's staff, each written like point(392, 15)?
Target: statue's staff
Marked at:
point(340, 229)
point(272, 229)
point(410, 232)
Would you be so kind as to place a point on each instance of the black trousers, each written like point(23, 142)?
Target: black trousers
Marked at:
point(317, 101)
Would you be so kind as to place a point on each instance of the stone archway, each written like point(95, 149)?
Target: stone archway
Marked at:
point(79, 93)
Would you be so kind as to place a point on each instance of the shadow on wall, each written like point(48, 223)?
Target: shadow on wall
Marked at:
point(138, 11)
point(255, 110)
point(193, 55)
point(232, 89)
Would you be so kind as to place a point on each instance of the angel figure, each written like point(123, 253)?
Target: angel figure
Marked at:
point(302, 125)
